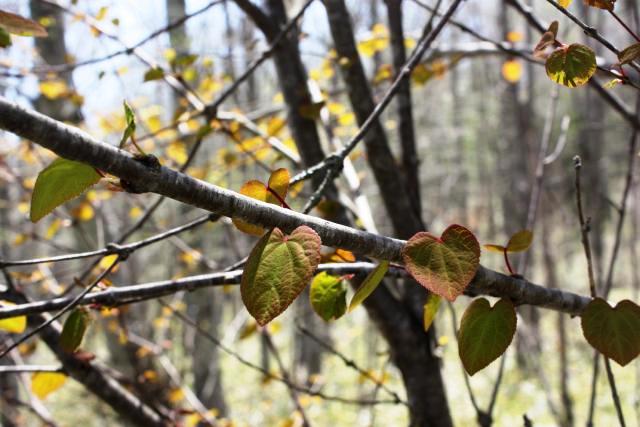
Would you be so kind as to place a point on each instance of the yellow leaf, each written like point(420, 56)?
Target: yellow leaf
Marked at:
point(565, 3)
point(514, 36)
point(53, 228)
point(44, 383)
point(106, 261)
point(512, 71)
point(53, 89)
point(177, 152)
point(84, 212)
point(135, 212)
point(15, 325)
point(275, 125)
point(347, 119)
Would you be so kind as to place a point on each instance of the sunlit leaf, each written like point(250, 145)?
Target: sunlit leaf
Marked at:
point(74, 329)
point(445, 265)
point(430, 310)
point(614, 332)
point(512, 71)
point(572, 65)
point(279, 182)
point(328, 296)
point(15, 325)
point(53, 89)
point(45, 383)
point(494, 248)
point(485, 333)
point(278, 269)
point(59, 182)
point(16, 24)
point(369, 284)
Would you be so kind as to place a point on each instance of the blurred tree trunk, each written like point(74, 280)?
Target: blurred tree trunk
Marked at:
point(205, 307)
point(518, 138)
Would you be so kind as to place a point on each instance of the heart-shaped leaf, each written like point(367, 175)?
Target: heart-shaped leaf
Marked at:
point(572, 65)
point(485, 333)
point(74, 329)
point(328, 296)
point(443, 265)
point(278, 269)
point(59, 182)
point(430, 310)
point(275, 193)
point(369, 284)
point(614, 332)
point(629, 54)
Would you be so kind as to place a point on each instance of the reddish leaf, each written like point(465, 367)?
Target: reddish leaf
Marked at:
point(443, 265)
point(278, 269)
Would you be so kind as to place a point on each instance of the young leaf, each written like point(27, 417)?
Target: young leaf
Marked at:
point(14, 325)
point(571, 66)
point(369, 284)
point(443, 265)
point(59, 182)
point(430, 310)
point(16, 24)
point(494, 248)
point(485, 333)
point(548, 39)
point(328, 296)
point(44, 383)
point(629, 54)
point(520, 241)
point(614, 332)
point(130, 119)
point(601, 4)
point(74, 329)
point(278, 269)
point(278, 184)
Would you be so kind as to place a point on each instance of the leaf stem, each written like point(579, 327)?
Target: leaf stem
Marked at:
point(624, 25)
point(506, 260)
point(277, 196)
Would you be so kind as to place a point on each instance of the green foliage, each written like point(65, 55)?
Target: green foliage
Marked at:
point(430, 310)
point(443, 265)
point(369, 284)
point(130, 119)
point(59, 182)
point(278, 269)
point(74, 329)
point(571, 65)
point(614, 332)
point(519, 242)
point(155, 73)
point(5, 38)
point(485, 333)
point(328, 296)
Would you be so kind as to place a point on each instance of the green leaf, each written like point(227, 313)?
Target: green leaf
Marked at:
point(520, 241)
point(629, 54)
point(130, 119)
point(328, 296)
point(430, 310)
point(571, 65)
point(155, 73)
point(485, 333)
point(443, 265)
point(59, 182)
point(614, 332)
point(278, 269)
point(369, 284)
point(5, 38)
point(74, 329)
